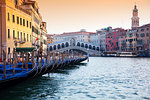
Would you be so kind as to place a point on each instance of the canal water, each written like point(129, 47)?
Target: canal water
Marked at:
point(100, 79)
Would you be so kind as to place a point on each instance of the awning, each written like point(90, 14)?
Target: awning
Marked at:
point(28, 49)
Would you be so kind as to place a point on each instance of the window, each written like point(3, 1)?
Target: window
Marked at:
point(18, 35)
point(44, 41)
point(16, 2)
point(8, 33)
point(147, 29)
point(27, 38)
point(142, 30)
point(8, 16)
point(20, 21)
point(21, 36)
point(27, 24)
point(30, 24)
point(24, 37)
point(13, 16)
point(142, 35)
point(8, 50)
point(17, 20)
point(13, 34)
point(147, 34)
point(23, 22)
point(137, 35)
point(30, 38)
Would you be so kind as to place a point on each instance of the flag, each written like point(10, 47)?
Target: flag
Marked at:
point(36, 40)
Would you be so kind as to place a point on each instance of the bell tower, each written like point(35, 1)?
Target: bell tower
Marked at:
point(135, 18)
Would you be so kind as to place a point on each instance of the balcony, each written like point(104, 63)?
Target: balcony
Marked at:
point(22, 42)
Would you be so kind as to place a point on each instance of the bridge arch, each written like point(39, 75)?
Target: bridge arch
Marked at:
point(86, 46)
point(54, 47)
point(62, 45)
point(82, 45)
point(78, 44)
point(50, 48)
point(58, 46)
point(94, 48)
point(67, 44)
point(97, 48)
point(90, 47)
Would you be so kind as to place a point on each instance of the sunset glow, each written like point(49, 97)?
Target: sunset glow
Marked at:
point(73, 15)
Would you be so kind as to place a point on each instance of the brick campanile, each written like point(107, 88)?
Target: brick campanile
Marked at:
point(135, 18)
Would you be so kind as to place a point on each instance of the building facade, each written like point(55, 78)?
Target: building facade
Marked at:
point(20, 25)
point(15, 26)
point(122, 40)
point(32, 7)
point(102, 37)
point(81, 36)
point(112, 40)
point(143, 39)
point(131, 41)
point(94, 38)
point(44, 37)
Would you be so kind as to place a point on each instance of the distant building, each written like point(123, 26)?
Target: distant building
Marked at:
point(102, 37)
point(122, 40)
point(94, 38)
point(112, 39)
point(131, 41)
point(82, 36)
point(49, 38)
point(143, 39)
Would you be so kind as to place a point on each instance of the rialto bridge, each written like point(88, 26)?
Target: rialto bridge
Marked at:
point(68, 45)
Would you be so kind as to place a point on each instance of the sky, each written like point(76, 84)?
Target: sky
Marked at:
point(72, 15)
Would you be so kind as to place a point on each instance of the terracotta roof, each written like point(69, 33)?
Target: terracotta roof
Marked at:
point(145, 25)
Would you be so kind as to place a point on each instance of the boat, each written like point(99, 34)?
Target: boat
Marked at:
point(127, 54)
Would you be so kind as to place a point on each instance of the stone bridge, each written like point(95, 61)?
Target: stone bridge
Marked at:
point(85, 47)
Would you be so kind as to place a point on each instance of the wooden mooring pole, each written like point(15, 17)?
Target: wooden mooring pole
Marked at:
point(32, 59)
point(4, 59)
point(13, 62)
point(27, 60)
point(22, 60)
